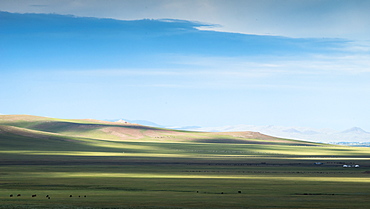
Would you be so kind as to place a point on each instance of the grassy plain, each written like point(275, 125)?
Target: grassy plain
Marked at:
point(131, 166)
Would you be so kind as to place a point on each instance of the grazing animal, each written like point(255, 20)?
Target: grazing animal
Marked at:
point(18, 195)
point(85, 196)
point(70, 195)
point(239, 191)
point(11, 195)
point(47, 195)
point(33, 195)
point(49, 198)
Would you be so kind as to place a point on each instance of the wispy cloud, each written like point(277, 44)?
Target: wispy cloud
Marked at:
point(347, 62)
point(245, 67)
point(169, 73)
point(38, 5)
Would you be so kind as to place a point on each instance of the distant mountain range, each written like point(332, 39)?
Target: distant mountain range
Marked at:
point(354, 134)
point(348, 136)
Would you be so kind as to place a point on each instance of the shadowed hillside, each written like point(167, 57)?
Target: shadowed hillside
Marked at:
point(42, 128)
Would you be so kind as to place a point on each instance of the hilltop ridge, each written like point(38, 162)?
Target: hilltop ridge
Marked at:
point(36, 126)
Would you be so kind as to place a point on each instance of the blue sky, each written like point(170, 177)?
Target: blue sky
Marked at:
point(206, 63)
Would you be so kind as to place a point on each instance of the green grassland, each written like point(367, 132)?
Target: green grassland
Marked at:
point(111, 165)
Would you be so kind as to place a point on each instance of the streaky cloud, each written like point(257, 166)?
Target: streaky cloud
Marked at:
point(65, 40)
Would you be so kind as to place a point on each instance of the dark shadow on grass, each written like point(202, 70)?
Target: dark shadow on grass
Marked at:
point(246, 141)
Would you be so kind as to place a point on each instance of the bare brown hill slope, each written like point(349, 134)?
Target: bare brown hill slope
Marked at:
point(43, 127)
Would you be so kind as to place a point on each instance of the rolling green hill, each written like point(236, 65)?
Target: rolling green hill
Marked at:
point(123, 165)
point(113, 131)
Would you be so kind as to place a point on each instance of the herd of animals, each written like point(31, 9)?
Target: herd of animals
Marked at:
point(47, 196)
